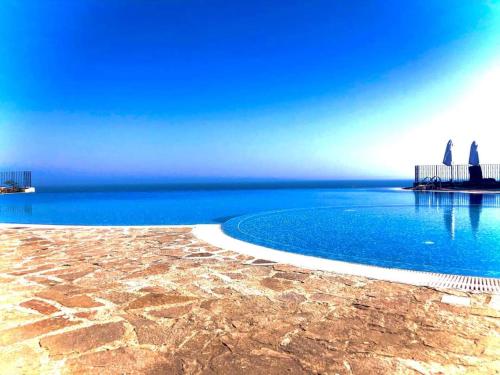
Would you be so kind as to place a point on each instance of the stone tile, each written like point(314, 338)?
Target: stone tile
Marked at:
point(453, 342)
point(153, 289)
point(157, 299)
point(365, 364)
point(148, 331)
point(199, 255)
point(40, 306)
point(316, 356)
point(118, 297)
point(156, 269)
point(73, 275)
point(291, 276)
point(276, 284)
point(291, 297)
point(69, 301)
point(262, 362)
point(123, 361)
point(286, 268)
point(32, 270)
point(262, 262)
point(42, 280)
point(28, 331)
point(172, 312)
point(329, 298)
point(83, 339)
point(86, 314)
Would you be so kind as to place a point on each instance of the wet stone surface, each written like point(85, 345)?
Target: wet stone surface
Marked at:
point(159, 301)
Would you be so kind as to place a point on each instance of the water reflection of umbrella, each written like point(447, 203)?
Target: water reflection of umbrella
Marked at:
point(449, 220)
point(475, 205)
point(449, 216)
point(473, 155)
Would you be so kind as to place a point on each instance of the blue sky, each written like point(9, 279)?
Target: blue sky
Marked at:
point(109, 90)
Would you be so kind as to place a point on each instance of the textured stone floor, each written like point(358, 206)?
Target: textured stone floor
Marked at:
point(160, 301)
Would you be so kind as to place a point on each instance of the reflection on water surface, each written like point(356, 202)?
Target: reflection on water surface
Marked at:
point(447, 203)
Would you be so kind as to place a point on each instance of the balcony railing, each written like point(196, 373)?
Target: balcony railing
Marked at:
point(454, 173)
point(15, 179)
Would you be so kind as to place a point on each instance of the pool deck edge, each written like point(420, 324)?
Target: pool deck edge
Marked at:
point(62, 226)
point(213, 234)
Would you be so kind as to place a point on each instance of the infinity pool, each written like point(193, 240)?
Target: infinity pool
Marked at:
point(192, 204)
point(463, 240)
point(442, 232)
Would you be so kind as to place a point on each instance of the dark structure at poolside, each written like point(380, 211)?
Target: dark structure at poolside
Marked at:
point(457, 177)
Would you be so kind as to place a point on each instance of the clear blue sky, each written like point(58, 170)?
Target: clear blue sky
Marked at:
point(107, 90)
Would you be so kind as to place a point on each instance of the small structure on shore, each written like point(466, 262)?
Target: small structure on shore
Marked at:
point(16, 182)
point(449, 176)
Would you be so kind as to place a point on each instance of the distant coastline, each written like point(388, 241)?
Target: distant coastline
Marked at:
point(226, 185)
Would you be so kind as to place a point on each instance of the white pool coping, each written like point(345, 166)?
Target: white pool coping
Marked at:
point(213, 234)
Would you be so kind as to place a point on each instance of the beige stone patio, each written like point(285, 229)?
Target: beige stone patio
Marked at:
point(160, 301)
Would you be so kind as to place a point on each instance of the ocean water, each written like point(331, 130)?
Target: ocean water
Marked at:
point(187, 203)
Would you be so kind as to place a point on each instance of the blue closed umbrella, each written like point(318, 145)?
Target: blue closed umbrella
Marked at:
point(448, 155)
point(474, 155)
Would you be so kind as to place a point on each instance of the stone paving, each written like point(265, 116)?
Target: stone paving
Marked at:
point(159, 301)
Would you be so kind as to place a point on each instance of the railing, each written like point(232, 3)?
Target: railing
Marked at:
point(455, 173)
point(15, 179)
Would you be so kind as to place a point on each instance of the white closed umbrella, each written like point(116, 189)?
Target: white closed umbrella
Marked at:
point(448, 155)
point(474, 155)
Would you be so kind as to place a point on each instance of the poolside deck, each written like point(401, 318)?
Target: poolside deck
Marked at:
point(158, 300)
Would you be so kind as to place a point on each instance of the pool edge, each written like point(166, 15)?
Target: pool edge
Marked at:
point(214, 235)
point(62, 226)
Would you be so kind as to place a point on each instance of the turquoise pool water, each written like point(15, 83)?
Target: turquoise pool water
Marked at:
point(185, 204)
point(449, 233)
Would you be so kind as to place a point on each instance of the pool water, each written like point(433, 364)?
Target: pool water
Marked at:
point(441, 232)
point(463, 240)
point(196, 204)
